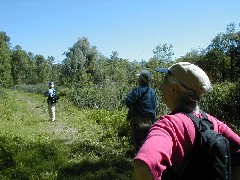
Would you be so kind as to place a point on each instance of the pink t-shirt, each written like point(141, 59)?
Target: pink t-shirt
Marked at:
point(172, 137)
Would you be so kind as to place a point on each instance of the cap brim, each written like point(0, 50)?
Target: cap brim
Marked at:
point(162, 70)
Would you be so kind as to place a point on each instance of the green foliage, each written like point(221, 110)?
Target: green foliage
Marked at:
point(109, 96)
point(42, 69)
point(38, 89)
point(28, 160)
point(6, 158)
point(84, 143)
point(79, 64)
point(97, 139)
point(163, 52)
point(103, 139)
point(109, 168)
point(157, 77)
point(81, 144)
point(5, 65)
point(20, 64)
point(224, 103)
point(85, 66)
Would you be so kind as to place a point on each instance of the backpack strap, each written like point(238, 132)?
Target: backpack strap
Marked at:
point(141, 108)
point(54, 91)
point(201, 123)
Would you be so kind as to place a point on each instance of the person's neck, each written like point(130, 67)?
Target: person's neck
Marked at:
point(187, 109)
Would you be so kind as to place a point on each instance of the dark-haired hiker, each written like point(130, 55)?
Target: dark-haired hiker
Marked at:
point(142, 103)
point(51, 93)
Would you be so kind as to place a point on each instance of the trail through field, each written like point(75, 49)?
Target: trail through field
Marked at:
point(79, 144)
point(38, 109)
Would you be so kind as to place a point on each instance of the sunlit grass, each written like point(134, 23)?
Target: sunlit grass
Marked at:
point(80, 144)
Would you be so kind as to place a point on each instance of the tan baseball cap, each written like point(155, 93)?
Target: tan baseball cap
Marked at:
point(189, 75)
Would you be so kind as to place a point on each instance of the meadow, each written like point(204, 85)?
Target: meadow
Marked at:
point(84, 142)
point(80, 144)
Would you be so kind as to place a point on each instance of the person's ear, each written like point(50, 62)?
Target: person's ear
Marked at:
point(174, 89)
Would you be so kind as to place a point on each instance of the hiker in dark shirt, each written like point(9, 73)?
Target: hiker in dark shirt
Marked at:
point(142, 103)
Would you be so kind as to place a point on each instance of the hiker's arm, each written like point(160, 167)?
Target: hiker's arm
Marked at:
point(236, 173)
point(142, 171)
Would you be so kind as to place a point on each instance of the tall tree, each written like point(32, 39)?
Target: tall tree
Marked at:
point(5, 60)
point(43, 69)
point(163, 52)
point(21, 66)
point(78, 67)
point(32, 76)
point(222, 54)
point(55, 74)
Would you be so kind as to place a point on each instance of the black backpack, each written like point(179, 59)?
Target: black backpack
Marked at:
point(54, 99)
point(210, 158)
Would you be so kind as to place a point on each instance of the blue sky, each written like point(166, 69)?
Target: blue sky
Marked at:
point(133, 28)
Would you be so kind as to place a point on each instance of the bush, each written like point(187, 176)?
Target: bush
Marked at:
point(114, 138)
point(38, 89)
point(223, 102)
point(100, 96)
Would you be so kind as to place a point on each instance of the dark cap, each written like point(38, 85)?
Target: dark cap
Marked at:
point(145, 75)
point(51, 83)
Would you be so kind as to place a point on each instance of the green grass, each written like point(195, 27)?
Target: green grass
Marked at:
point(80, 144)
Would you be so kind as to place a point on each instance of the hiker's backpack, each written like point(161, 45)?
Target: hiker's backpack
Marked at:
point(54, 98)
point(210, 158)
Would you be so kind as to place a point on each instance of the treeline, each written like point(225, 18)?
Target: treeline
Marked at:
point(221, 59)
point(84, 65)
point(94, 80)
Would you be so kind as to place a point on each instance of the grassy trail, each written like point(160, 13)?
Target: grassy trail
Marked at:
point(27, 110)
point(75, 146)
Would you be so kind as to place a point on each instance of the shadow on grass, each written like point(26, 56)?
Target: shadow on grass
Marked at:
point(110, 168)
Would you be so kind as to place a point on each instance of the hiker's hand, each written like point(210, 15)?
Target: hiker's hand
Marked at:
point(142, 171)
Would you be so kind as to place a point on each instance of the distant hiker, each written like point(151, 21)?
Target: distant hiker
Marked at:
point(142, 103)
point(52, 99)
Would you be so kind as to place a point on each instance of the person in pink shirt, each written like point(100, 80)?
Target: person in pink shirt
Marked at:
point(171, 138)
